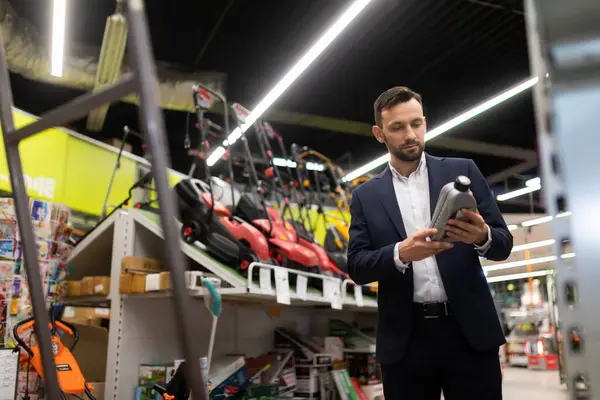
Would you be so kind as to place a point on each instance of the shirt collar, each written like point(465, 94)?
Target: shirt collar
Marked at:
point(422, 167)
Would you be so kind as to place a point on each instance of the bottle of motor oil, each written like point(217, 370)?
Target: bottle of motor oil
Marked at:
point(454, 197)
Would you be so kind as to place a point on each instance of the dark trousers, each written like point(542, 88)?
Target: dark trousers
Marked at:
point(439, 358)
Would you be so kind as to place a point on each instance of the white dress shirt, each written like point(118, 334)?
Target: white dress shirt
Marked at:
point(412, 194)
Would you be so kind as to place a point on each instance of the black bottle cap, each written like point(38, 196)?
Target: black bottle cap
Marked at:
point(462, 183)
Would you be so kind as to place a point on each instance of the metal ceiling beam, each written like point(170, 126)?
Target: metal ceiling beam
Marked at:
point(489, 149)
point(512, 171)
point(364, 129)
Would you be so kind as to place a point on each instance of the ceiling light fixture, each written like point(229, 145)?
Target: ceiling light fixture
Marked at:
point(522, 263)
point(290, 77)
point(533, 245)
point(494, 101)
point(59, 20)
point(513, 277)
point(531, 186)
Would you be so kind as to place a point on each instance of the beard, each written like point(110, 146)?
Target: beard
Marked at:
point(407, 154)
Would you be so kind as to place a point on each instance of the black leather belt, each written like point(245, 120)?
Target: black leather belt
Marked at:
point(432, 310)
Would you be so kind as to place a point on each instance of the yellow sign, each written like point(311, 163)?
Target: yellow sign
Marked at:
point(62, 168)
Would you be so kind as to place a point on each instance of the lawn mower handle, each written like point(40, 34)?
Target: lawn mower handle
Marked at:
point(28, 323)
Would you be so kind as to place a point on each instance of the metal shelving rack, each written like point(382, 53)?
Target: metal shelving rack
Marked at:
point(564, 46)
point(143, 81)
point(141, 324)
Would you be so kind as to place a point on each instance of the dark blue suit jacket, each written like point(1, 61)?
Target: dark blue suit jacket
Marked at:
point(376, 228)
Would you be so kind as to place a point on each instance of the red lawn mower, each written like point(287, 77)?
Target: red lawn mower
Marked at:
point(285, 249)
point(230, 239)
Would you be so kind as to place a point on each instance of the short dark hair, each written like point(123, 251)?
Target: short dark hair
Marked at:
point(391, 97)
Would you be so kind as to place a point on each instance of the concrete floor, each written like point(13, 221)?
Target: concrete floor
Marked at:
point(521, 383)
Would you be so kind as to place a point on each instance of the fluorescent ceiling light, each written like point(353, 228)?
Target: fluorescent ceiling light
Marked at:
point(521, 263)
point(59, 19)
point(531, 186)
point(494, 101)
point(533, 245)
point(537, 221)
point(524, 275)
point(301, 65)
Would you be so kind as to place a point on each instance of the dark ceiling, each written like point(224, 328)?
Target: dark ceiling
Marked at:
point(456, 53)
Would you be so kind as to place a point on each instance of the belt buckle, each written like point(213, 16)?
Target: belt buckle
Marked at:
point(425, 312)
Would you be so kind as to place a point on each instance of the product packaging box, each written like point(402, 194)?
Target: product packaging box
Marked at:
point(132, 283)
point(101, 285)
point(87, 286)
point(158, 282)
point(73, 288)
point(140, 265)
point(261, 392)
point(373, 392)
point(152, 374)
point(228, 377)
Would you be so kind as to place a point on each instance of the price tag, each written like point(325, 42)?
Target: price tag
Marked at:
point(331, 292)
point(336, 297)
point(358, 296)
point(282, 286)
point(265, 281)
point(328, 289)
point(301, 285)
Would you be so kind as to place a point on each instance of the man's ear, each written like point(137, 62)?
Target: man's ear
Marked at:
point(377, 133)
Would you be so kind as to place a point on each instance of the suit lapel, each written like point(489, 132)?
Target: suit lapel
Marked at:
point(437, 179)
point(387, 195)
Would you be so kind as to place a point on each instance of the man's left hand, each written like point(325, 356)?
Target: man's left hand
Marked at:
point(473, 232)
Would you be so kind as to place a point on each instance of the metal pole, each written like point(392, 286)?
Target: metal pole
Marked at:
point(30, 254)
point(152, 123)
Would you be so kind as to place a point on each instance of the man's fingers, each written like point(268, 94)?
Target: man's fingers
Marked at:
point(425, 233)
point(438, 245)
point(470, 214)
point(465, 226)
point(463, 237)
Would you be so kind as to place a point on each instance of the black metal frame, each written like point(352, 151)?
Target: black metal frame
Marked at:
point(144, 81)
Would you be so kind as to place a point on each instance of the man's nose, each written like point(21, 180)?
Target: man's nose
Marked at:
point(410, 134)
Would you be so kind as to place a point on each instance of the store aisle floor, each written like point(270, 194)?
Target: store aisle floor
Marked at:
point(521, 383)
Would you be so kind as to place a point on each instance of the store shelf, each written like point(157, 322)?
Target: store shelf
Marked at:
point(87, 301)
point(151, 222)
point(92, 255)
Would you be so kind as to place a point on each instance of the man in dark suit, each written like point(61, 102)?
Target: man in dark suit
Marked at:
point(437, 325)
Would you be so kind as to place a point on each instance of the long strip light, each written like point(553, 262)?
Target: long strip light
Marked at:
point(59, 20)
point(533, 245)
point(522, 263)
point(524, 275)
point(454, 122)
point(290, 77)
point(538, 221)
point(532, 185)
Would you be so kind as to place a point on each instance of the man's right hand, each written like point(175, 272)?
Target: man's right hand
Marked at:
point(416, 247)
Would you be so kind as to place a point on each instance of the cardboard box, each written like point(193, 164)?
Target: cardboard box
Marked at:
point(87, 286)
point(101, 285)
point(140, 265)
point(165, 281)
point(132, 283)
point(73, 288)
point(158, 282)
point(86, 316)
